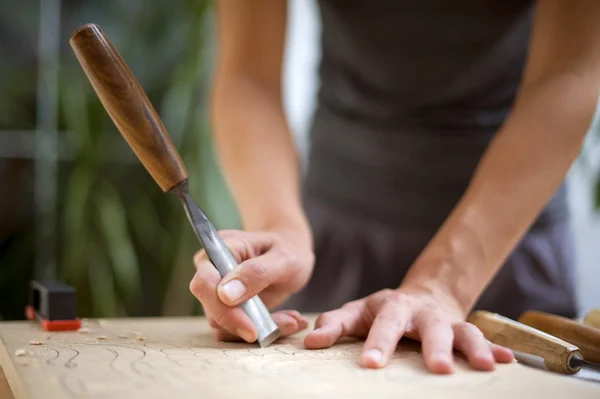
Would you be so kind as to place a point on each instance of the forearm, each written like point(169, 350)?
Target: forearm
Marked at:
point(258, 155)
point(518, 174)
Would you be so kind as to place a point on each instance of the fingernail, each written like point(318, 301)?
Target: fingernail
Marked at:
point(233, 290)
point(246, 335)
point(440, 357)
point(375, 355)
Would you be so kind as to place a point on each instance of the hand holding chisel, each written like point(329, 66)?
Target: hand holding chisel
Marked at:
point(135, 117)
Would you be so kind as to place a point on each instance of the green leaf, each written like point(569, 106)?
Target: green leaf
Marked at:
point(76, 224)
point(113, 222)
point(101, 284)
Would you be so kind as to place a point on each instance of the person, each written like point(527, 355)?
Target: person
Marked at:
point(441, 139)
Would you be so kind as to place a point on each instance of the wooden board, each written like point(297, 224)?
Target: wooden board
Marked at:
point(179, 358)
point(5, 391)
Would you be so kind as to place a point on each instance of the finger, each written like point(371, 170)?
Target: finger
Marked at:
point(436, 342)
point(233, 319)
point(501, 354)
point(251, 242)
point(274, 299)
point(302, 320)
point(212, 322)
point(335, 324)
point(288, 321)
point(387, 329)
point(242, 245)
point(225, 336)
point(470, 341)
point(240, 249)
point(252, 276)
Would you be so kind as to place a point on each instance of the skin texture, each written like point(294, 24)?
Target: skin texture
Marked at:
point(518, 174)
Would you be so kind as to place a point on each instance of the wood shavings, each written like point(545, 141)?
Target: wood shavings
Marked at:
point(21, 352)
point(102, 337)
point(140, 338)
point(83, 330)
point(35, 342)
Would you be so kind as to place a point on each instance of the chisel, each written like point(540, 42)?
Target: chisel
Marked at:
point(555, 354)
point(584, 337)
point(136, 119)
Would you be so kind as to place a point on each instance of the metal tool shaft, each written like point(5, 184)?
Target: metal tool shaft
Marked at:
point(577, 362)
point(224, 262)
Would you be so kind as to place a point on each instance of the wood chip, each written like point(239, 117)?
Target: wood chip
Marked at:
point(140, 338)
point(83, 330)
point(21, 352)
point(102, 337)
point(35, 342)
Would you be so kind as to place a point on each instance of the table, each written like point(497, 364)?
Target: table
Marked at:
point(5, 391)
point(179, 358)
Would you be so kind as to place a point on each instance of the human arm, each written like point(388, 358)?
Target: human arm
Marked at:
point(529, 157)
point(252, 138)
point(518, 174)
point(261, 166)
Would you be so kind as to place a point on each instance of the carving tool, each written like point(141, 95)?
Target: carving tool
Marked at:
point(132, 112)
point(555, 354)
point(585, 337)
point(592, 318)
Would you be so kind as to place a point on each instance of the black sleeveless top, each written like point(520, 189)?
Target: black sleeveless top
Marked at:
point(411, 94)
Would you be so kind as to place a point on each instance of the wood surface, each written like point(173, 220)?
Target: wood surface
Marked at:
point(586, 338)
point(5, 391)
point(179, 358)
point(520, 337)
point(128, 106)
point(592, 318)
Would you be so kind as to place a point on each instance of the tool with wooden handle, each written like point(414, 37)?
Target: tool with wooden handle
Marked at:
point(557, 355)
point(592, 318)
point(586, 338)
point(135, 117)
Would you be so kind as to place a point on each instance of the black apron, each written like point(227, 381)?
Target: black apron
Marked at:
point(411, 94)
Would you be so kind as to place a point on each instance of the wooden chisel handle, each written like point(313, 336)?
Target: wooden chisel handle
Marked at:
point(585, 337)
point(511, 334)
point(128, 106)
point(592, 318)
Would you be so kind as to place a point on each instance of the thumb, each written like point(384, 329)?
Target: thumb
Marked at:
point(250, 278)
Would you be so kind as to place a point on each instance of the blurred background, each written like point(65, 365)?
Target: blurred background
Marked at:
point(76, 205)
